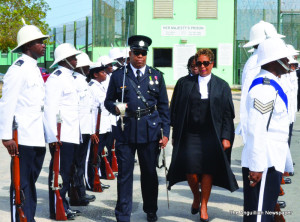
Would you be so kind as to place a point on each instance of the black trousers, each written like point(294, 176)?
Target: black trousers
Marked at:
point(66, 159)
point(147, 154)
point(31, 162)
point(260, 201)
point(80, 153)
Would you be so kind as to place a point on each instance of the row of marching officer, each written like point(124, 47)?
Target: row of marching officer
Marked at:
point(33, 113)
point(80, 87)
point(267, 112)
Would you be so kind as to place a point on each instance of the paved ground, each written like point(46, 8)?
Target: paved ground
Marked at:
point(221, 205)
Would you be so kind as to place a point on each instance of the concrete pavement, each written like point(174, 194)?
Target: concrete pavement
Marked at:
point(223, 205)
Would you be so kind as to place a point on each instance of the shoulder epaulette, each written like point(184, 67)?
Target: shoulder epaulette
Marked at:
point(91, 83)
point(19, 62)
point(119, 68)
point(156, 70)
point(57, 72)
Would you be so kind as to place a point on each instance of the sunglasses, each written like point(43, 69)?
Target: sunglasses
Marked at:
point(137, 53)
point(205, 63)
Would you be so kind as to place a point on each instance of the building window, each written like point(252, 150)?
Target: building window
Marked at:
point(207, 9)
point(162, 8)
point(162, 57)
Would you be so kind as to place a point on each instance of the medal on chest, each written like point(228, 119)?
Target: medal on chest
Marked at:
point(151, 81)
point(156, 80)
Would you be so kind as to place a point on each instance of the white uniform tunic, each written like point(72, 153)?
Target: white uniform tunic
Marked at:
point(113, 118)
point(85, 104)
point(23, 97)
point(264, 148)
point(248, 75)
point(61, 97)
point(99, 93)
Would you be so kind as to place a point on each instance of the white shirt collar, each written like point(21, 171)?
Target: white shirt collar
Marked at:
point(27, 58)
point(143, 69)
point(203, 81)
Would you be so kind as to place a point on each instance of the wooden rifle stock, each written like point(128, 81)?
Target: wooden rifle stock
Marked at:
point(114, 162)
point(97, 184)
point(109, 173)
point(60, 213)
point(19, 195)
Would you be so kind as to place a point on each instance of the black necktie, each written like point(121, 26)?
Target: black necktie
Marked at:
point(138, 75)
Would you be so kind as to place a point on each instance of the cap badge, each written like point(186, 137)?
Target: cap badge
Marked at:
point(142, 43)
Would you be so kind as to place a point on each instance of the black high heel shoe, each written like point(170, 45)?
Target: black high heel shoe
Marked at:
point(194, 210)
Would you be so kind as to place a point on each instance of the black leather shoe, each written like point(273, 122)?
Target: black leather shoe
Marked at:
point(70, 215)
point(291, 173)
point(194, 210)
point(287, 180)
point(281, 204)
point(90, 198)
point(204, 220)
point(76, 212)
point(151, 217)
point(105, 186)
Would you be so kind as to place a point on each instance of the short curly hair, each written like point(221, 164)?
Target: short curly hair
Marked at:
point(207, 52)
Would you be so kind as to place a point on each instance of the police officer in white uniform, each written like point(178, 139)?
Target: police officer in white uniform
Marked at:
point(86, 128)
point(62, 99)
point(98, 89)
point(258, 33)
point(264, 154)
point(108, 63)
point(23, 98)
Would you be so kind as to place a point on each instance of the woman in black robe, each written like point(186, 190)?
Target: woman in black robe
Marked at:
point(202, 116)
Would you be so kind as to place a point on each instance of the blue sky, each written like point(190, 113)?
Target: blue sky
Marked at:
point(65, 11)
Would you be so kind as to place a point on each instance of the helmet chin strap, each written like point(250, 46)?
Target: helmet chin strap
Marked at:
point(72, 67)
point(81, 69)
point(288, 69)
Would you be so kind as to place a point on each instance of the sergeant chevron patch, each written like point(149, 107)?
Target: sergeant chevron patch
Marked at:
point(263, 108)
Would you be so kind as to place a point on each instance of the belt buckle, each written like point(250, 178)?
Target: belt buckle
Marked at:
point(138, 114)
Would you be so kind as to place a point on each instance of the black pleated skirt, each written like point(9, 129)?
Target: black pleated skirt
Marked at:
point(201, 153)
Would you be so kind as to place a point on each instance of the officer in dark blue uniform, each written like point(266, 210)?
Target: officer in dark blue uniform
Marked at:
point(147, 112)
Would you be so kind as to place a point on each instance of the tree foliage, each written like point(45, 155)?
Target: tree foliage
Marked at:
point(11, 12)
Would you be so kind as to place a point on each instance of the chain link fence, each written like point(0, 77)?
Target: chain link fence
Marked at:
point(283, 14)
point(111, 22)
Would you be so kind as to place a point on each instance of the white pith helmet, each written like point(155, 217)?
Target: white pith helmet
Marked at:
point(83, 60)
point(251, 50)
point(115, 53)
point(97, 65)
point(27, 34)
point(261, 31)
point(125, 52)
point(105, 60)
point(64, 51)
point(292, 59)
point(291, 47)
point(271, 50)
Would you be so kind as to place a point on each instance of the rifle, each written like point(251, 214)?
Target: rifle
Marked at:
point(19, 195)
point(109, 173)
point(97, 184)
point(164, 165)
point(114, 163)
point(60, 213)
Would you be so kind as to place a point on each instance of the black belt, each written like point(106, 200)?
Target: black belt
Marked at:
point(140, 112)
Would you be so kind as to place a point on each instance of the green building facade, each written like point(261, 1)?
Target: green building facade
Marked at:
point(178, 29)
